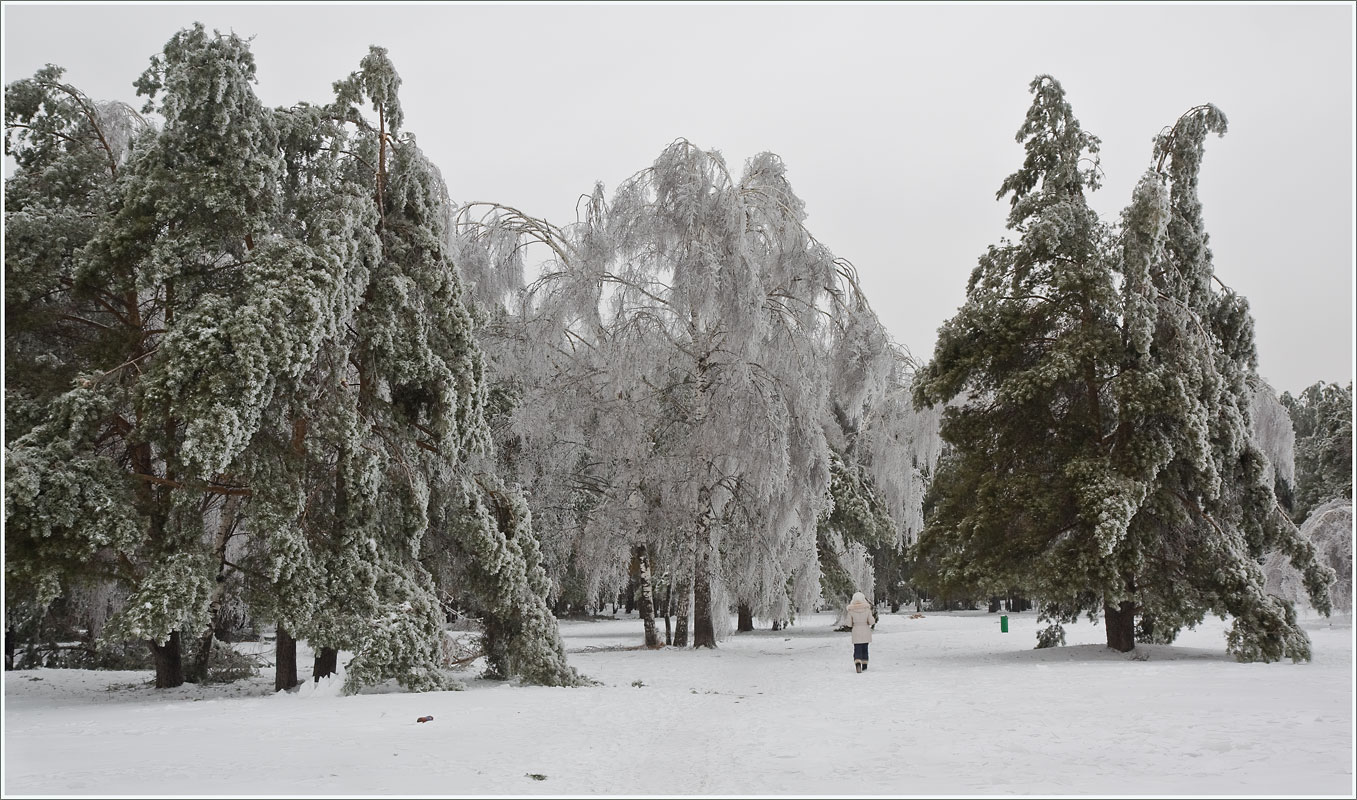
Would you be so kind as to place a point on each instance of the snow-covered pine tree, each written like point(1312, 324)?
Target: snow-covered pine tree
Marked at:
point(69, 151)
point(272, 315)
point(1103, 458)
point(180, 268)
point(1030, 354)
point(1209, 512)
point(297, 462)
point(408, 461)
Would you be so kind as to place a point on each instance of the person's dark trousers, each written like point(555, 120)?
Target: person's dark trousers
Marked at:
point(860, 655)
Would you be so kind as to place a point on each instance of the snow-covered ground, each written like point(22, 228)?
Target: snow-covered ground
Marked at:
point(950, 705)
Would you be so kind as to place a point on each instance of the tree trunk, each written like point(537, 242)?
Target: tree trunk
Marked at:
point(285, 661)
point(994, 605)
point(1145, 631)
point(169, 663)
point(704, 632)
point(746, 622)
point(9, 647)
point(326, 664)
point(1120, 624)
point(704, 635)
point(647, 592)
point(196, 669)
point(669, 609)
point(196, 672)
point(684, 600)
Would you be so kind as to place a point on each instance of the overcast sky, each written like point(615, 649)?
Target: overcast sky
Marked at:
point(896, 122)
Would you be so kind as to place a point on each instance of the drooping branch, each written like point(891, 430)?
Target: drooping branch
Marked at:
point(242, 491)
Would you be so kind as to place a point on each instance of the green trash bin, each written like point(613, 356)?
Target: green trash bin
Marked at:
point(1003, 624)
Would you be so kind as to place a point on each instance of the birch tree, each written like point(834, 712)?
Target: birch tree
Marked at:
point(681, 336)
point(1274, 435)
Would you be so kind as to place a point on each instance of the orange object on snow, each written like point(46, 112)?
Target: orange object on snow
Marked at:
point(424, 719)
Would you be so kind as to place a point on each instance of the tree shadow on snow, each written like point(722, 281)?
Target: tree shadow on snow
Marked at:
point(1092, 653)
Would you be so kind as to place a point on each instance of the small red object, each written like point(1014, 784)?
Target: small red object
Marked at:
point(424, 719)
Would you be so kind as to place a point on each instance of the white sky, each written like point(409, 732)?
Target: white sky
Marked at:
point(896, 121)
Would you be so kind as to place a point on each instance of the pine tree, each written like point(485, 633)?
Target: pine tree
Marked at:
point(173, 269)
point(1211, 513)
point(1102, 458)
point(69, 151)
point(269, 311)
point(410, 435)
point(1030, 354)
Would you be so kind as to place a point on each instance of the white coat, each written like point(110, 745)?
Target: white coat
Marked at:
point(860, 615)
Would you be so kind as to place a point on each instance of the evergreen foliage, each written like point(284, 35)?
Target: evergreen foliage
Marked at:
point(1101, 458)
point(245, 325)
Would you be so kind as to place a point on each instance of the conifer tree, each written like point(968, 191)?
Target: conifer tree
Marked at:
point(69, 151)
point(1030, 352)
point(269, 312)
point(175, 269)
point(1101, 458)
point(405, 420)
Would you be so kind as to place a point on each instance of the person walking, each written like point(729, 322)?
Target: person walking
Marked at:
point(861, 617)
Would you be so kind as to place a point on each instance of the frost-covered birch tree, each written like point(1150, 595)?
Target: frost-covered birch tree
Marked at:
point(1103, 457)
point(739, 307)
point(678, 344)
point(1274, 436)
point(1329, 528)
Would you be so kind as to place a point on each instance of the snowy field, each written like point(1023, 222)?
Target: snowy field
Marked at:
point(949, 706)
